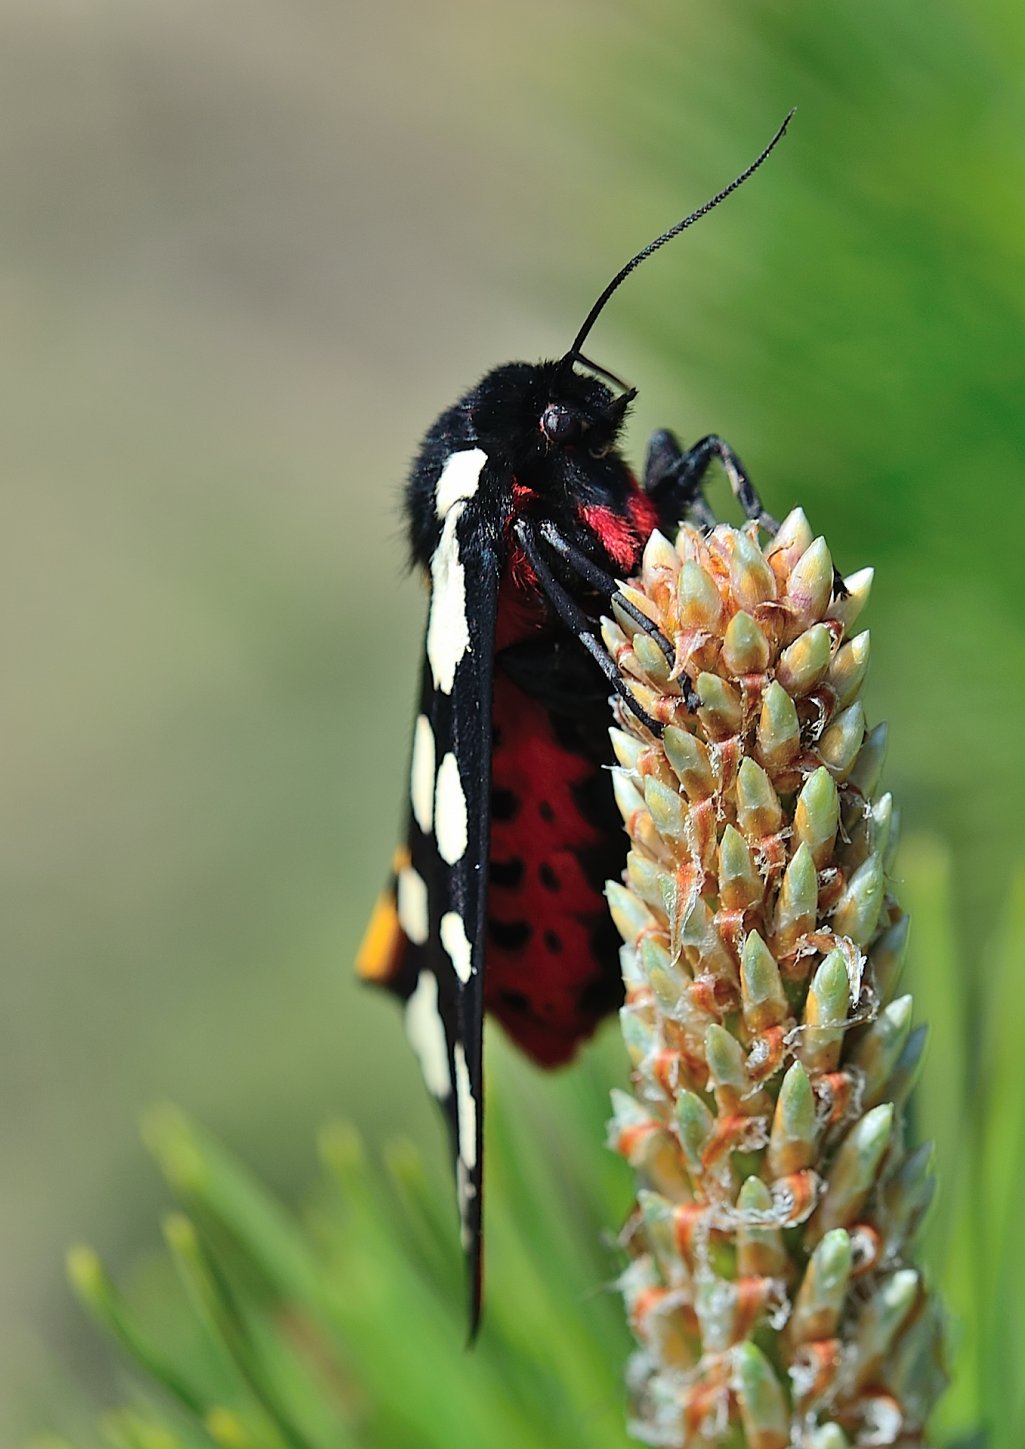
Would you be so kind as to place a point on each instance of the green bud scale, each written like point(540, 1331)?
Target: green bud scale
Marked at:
point(771, 1278)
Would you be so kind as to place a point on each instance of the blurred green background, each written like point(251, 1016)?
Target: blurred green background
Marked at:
point(247, 251)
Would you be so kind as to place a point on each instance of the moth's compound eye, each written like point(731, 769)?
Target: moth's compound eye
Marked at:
point(560, 425)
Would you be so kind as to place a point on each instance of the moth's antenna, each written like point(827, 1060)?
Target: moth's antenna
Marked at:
point(573, 354)
point(601, 371)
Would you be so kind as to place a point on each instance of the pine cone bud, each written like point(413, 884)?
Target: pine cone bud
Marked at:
point(771, 1287)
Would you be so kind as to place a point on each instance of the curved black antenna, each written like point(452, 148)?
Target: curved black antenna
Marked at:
point(596, 367)
point(573, 354)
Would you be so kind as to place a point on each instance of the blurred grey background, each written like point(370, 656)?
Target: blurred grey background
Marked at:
point(247, 252)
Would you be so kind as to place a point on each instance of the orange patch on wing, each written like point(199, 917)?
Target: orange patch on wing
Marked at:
point(378, 954)
point(381, 948)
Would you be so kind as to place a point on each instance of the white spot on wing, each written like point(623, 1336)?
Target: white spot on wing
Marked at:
point(450, 822)
point(448, 633)
point(426, 1032)
point(421, 782)
point(466, 1191)
point(453, 938)
point(459, 479)
point(411, 900)
point(466, 1109)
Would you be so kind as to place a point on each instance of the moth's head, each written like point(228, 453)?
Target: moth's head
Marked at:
point(524, 412)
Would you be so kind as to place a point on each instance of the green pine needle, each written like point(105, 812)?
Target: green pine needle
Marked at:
point(348, 1327)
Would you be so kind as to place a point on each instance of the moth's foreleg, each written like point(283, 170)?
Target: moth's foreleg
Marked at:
point(675, 487)
point(673, 478)
point(575, 556)
point(574, 618)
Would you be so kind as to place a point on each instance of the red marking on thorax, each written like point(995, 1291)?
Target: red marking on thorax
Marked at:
point(623, 534)
point(521, 610)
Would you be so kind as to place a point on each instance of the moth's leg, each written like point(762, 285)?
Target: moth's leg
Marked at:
point(674, 477)
point(674, 495)
point(578, 622)
point(576, 558)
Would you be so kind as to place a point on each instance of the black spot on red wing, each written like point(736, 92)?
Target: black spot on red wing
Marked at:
point(504, 805)
point(553, 941)
point(545, 811)
point(508, 873)
point(546, 875)
point(514, 1001)
point(509, 935)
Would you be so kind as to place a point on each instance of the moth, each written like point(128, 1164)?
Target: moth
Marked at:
point(523, 516)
